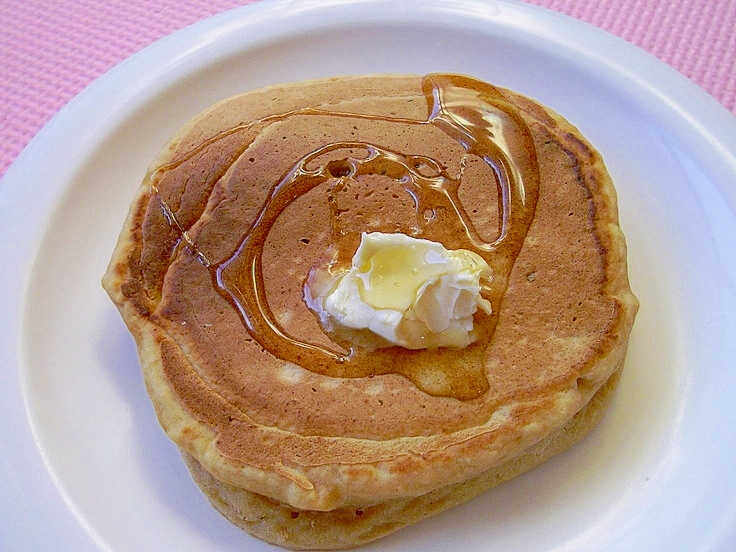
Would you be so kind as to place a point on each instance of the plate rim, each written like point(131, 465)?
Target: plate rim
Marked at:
point(669, 93)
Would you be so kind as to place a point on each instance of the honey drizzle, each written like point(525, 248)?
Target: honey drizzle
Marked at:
point(477, 116)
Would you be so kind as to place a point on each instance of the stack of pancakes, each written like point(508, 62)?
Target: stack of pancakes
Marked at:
point(311, 442)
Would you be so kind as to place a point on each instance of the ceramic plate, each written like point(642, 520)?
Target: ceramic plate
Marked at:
point(83, 462)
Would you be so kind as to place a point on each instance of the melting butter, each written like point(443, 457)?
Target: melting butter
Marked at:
point(404, 291)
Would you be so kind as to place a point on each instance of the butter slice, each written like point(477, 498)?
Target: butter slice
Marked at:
point(405, 291)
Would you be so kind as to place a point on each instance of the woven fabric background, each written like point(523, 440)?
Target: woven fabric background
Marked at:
point(52, 49)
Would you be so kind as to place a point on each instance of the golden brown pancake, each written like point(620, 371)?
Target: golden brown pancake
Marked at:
point(301, 437)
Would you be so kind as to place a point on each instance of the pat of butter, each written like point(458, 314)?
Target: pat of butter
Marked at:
point(405, 291)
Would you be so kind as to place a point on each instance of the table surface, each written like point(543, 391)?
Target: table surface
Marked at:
point(50, 50)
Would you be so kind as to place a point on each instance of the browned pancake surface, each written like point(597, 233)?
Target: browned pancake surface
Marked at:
point(321, 442)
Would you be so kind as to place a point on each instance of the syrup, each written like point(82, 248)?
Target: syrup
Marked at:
point(478, 117)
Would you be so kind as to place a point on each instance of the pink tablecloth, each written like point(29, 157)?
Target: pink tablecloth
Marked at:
point(51, 49)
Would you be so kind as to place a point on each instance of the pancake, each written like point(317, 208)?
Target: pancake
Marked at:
point(300, 436)
point(348, 527)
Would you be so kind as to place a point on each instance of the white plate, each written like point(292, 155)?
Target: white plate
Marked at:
point(83, 463)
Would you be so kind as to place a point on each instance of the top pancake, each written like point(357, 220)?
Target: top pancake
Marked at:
point(316, 439)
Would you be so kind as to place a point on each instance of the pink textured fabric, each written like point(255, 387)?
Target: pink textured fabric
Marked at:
point(696, 37)
point(51, 49)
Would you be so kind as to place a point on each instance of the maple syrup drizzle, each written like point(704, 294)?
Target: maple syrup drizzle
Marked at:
point(477, 116)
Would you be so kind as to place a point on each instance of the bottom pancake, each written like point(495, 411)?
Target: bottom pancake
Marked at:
point(352, 526)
